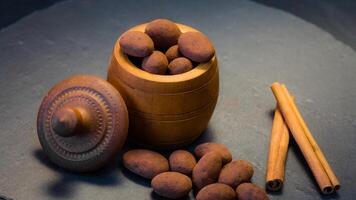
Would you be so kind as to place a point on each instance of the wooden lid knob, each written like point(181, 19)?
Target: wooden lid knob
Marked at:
point(67, 122)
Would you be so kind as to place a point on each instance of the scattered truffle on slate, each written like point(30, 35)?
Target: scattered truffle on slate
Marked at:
point(247, 191)
point(207, 147)
point(145, 163)
point(182, 161)
point(216, 191)
point(236, 172)
point(171, 185)
point(207, 170)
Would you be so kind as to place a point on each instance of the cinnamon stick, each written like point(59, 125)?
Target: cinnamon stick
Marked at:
point(286, 106)
point(277, 153)
point(333, 179)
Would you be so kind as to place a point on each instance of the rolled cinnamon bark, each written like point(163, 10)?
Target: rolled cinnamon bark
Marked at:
point(333, 179)
point(298, 133)
point(277, 153)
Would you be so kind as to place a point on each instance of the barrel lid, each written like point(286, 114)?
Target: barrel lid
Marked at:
point(82, 123)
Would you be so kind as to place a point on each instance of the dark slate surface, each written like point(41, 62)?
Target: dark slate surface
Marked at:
point(11, 11)
point(256, 46)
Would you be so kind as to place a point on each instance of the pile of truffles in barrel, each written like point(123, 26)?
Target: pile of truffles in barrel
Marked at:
point(164, 49)
point(211, 172)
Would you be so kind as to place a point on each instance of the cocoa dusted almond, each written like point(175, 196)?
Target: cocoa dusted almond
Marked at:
point(179, 66)
point(172, 185)
point(216, 191)
point(145, 163)
point(182, 161)
point(163, 32)
point(236, 172)
point(205, 148)
point(156, 63)
point(173, 53)
point(207, 170)
point(247, 191)
point(196, 46)
point(136, 43)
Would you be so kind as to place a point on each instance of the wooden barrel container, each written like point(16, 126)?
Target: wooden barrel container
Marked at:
point(165, 111)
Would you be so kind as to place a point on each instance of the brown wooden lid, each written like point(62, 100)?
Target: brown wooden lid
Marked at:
point(82, 123)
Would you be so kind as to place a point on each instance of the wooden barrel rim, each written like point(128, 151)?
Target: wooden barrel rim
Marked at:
point(206, 83)
point(142, 80)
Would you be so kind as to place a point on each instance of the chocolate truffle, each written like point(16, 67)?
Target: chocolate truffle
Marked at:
point(236, 172)
point(156, 63)
point(196, 46)
point(172, 185)
point(182, 161)
point(207, 147)
point(173, 53)
point(145, 163)
point(163, 32)
point(216, 191)
point(247, 191)
point(135, 43)
point(179, 66)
